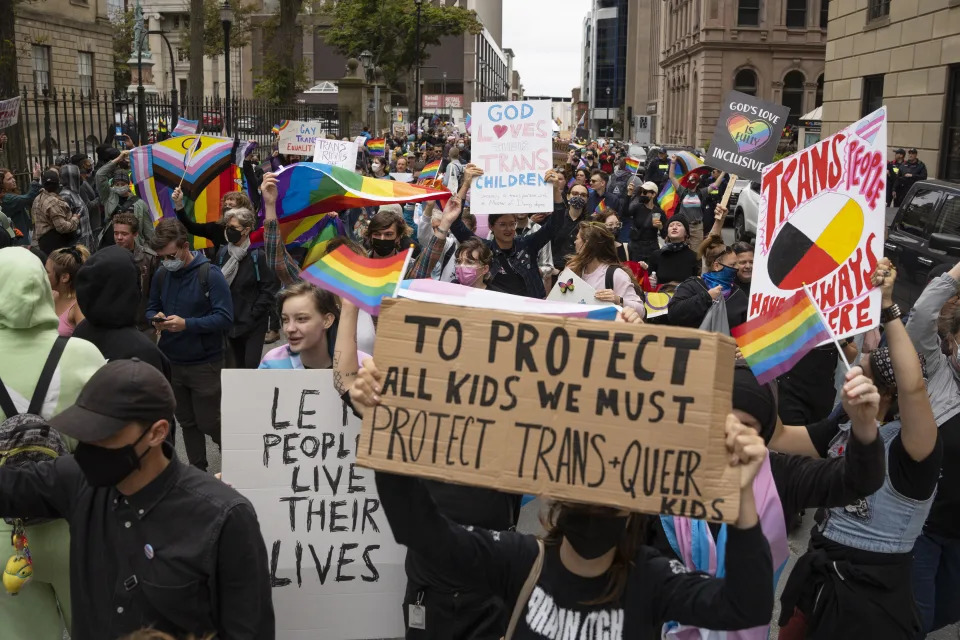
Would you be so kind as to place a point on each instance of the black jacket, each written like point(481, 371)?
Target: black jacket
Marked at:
point(674, 264)
point(253, 290)
point(691, 302)
point(108, 292)
point(212, 231)
point(644, 239)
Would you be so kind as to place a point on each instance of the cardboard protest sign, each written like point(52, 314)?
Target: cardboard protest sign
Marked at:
point(299, 138)
point(9, 112)
point(289, 446)
point(821, 223)
point(747, 135)
point(572, 288)
point(512, 144)
point(616, 414)
point(336, 152)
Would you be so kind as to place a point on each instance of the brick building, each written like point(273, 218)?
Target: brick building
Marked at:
point(773, 50)
point(906, 55)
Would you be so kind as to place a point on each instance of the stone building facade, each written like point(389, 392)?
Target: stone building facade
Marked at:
point(905, 55)
point(774, 50)
point(64, 44)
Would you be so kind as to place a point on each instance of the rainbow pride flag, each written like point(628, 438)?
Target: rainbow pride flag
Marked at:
point(308, 188)
point(277, 128)
point(633, 164)
point(361, 280)
point(209, 166)
point(376, 146)
point(668, 200)
point(774, 342)
point(602, 208)
point(430, 171)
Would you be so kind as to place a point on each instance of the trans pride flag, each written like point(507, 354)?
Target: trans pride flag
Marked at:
point(208, 165)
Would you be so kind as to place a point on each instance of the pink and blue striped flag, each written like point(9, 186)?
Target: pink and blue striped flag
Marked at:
point(185, 128)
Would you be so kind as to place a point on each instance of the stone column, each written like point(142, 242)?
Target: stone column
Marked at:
point(351, 100)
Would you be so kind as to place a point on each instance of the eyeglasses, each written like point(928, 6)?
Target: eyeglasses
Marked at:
point(650, 193)
point(168, 256)
point(506, 225)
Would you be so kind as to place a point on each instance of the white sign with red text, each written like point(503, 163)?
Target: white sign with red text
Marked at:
point(9, 112)
point(821, 224)
point(512, 143)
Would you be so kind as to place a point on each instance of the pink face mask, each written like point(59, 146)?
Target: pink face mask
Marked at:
point(467, 275)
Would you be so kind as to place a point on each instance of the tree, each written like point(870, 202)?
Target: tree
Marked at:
point(213, 28)
point(388, 29)
point(8, 50)
point(283, 73)
point(122, 23)
point(197, 44)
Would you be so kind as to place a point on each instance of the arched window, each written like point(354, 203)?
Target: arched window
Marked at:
point(793, 94)
point(745, 82)
point(819, 100)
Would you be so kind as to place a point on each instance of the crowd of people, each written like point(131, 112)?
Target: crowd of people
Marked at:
point(115, 329)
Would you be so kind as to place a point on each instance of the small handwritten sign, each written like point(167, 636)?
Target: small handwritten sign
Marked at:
point(298, 138)
point(336, 152)
point(9, 112)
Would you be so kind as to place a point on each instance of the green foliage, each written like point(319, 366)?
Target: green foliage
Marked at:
point(388, 29)
point(280, 81)
point(122, 22)
point(213, 28)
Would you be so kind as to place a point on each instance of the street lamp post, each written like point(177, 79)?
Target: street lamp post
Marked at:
point(226, 18)
point(443, 94)
point(141, 94)
point(174, 99)
point(416, 118)
point(370, 75)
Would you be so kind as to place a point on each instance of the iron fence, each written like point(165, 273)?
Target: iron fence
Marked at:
point(61, 122)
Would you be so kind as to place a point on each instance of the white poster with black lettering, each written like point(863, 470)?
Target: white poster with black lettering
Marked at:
point(289, 446)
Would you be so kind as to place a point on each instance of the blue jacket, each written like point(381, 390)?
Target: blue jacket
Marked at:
point(208, 314)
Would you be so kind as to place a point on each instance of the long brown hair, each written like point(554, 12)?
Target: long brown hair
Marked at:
point(3, 176)
point(598, 244)
point(635, 535)
point(712, 249)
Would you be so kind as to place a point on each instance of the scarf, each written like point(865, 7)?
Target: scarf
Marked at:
point(723, 279)
point(672, 247)
point(693, 543)
point(236, 254)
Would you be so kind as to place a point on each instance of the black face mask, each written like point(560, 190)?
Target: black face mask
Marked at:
point(383, 247)
point(233, 235)
point(592, 535)
point(643, 199)
point(104, 467)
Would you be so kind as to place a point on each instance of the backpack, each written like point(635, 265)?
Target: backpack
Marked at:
point(254, 255)
point(26, 438)
point(608, 279)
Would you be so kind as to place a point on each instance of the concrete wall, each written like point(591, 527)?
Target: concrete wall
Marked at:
point(913, 49)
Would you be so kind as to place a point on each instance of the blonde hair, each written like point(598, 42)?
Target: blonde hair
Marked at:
point(68, 260)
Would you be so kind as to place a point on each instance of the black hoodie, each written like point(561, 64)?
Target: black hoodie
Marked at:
point(108, 292)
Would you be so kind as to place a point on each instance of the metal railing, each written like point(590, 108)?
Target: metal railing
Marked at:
point(60, 122)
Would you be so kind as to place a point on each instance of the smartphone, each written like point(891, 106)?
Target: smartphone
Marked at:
point(157, 320)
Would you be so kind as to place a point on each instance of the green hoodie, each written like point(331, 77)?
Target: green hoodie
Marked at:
point(28, 329)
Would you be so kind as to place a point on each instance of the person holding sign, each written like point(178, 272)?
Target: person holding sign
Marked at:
point(592, 570)
point(515, 269)
point(855, 578)
point(785, 483)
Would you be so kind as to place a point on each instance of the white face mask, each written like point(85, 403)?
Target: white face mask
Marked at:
point(376, 166)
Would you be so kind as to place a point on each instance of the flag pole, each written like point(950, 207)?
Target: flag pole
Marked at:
point(188, 160)
point(833, 336)
point(403, 271)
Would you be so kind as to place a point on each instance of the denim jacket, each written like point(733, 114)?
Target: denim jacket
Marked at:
point(524, 258)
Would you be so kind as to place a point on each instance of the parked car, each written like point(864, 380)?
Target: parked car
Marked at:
point(924, 233)
point(744, 206)
point(252, 124)
point(212, 121)
point(639, 152)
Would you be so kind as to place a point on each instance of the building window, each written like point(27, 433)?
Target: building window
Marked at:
point(182, 55)
point(877, 9)
point(85, 72)
point(793, 95)
point(745, 82)
point(41, 67)
point(796, 13)
point(748, 13)
point(819, 100)
point(183, 87)
point(950, 158)
point(872, 94)
point(824, 13)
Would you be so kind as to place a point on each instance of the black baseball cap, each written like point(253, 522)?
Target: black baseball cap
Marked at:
point(120, 392)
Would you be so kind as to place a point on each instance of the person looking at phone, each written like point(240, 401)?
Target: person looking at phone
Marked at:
point(192, 308)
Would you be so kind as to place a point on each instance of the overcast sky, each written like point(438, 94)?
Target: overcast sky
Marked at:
point(545, 36)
